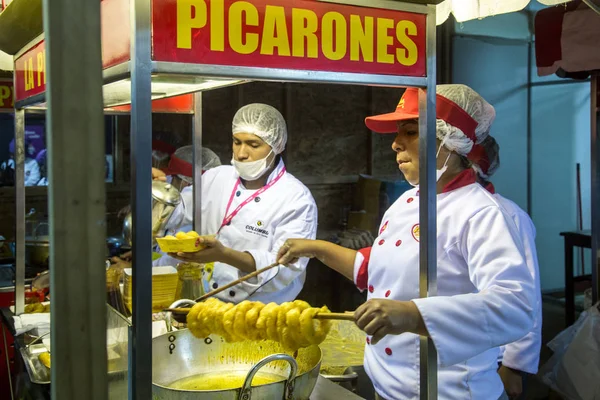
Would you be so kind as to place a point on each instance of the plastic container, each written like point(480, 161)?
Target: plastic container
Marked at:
point(189, 285)
point(164, 285)
point(191, 245)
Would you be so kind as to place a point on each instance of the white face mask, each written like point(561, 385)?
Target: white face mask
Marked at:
point(438, 172)
point(252, 170)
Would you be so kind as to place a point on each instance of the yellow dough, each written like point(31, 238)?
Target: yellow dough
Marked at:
point(193, 234)
point(45, 359)
point(182, 235)
point(293, 324)
point(170, 237)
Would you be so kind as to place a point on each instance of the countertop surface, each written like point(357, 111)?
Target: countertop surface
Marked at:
point(327, 390)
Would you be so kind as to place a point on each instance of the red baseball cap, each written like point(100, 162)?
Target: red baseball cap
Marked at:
point(164, 147)
point(177, 166)
point(408, 108)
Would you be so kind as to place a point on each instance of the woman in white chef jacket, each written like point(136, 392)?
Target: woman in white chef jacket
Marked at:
point(253, 206)
point(484, 289)
point(523, 356)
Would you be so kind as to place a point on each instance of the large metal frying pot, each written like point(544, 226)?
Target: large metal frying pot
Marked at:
point(37, 251)
point(178, 354)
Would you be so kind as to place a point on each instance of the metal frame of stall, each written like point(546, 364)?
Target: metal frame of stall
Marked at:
point(595, 178)
point(63, 23)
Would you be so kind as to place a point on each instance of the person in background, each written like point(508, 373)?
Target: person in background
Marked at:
point(161, 151)
point(180, 170)
point(32, 169)
point(520, 358)
point(180, 173)
point(484, 291)
point(41, 160)
point(252, 208)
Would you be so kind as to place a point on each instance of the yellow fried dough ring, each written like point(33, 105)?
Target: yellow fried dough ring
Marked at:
point(194, 321)
point(205, 316)
point(314, 334)
point(239, 322)
point(211, 318)
point(287, 339)
point(285, 335)
point(281, 318)
point(293, 323)
point(228, 321)
point(220, 319)
point(267, 322)
point(251, 320)
point(262, 318)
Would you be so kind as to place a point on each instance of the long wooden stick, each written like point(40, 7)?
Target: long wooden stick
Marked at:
point(338, 316)
point(347, 316)
point(245, 278)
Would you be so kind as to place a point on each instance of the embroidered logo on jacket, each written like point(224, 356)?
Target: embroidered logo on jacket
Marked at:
point(416, 232)
point(257, 230)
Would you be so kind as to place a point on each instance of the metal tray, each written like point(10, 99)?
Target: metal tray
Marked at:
point(38, 373)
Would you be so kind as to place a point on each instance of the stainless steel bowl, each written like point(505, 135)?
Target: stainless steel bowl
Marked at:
point(178, 355)
point(37, 251)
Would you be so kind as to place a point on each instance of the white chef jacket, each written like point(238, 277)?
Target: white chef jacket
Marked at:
point(484, 292)
point(524, 354)
point(286, 210)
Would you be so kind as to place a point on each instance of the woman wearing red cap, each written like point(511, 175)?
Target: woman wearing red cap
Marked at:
point(179, 173)
point(484, 289)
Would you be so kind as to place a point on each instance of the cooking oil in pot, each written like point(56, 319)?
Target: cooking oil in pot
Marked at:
point(223, 380)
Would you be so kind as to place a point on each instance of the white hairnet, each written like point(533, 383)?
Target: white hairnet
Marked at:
point(209, 159)
point(476, 106)
point(263, 121)
point(492, 152)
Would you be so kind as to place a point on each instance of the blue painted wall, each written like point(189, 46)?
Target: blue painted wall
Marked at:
point(484, 59)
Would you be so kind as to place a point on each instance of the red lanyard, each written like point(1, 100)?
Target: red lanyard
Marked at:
point(227, 219)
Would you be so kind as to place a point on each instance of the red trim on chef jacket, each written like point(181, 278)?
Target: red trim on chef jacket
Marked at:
point(490, 188)
point(362, 277)
point(465, 178)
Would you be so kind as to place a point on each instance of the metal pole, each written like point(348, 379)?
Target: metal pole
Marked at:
point(595, 158)
point(197, 141)
point(140, 368)
point(427, 207)
point(76, 193)
point(20, 211)
point(529, 129)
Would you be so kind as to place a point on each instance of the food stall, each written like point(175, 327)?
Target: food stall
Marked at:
point(165, 48)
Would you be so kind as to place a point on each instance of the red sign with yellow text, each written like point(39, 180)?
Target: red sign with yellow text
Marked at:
point(6, 95)
point(30, 72)
point(297, 35)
